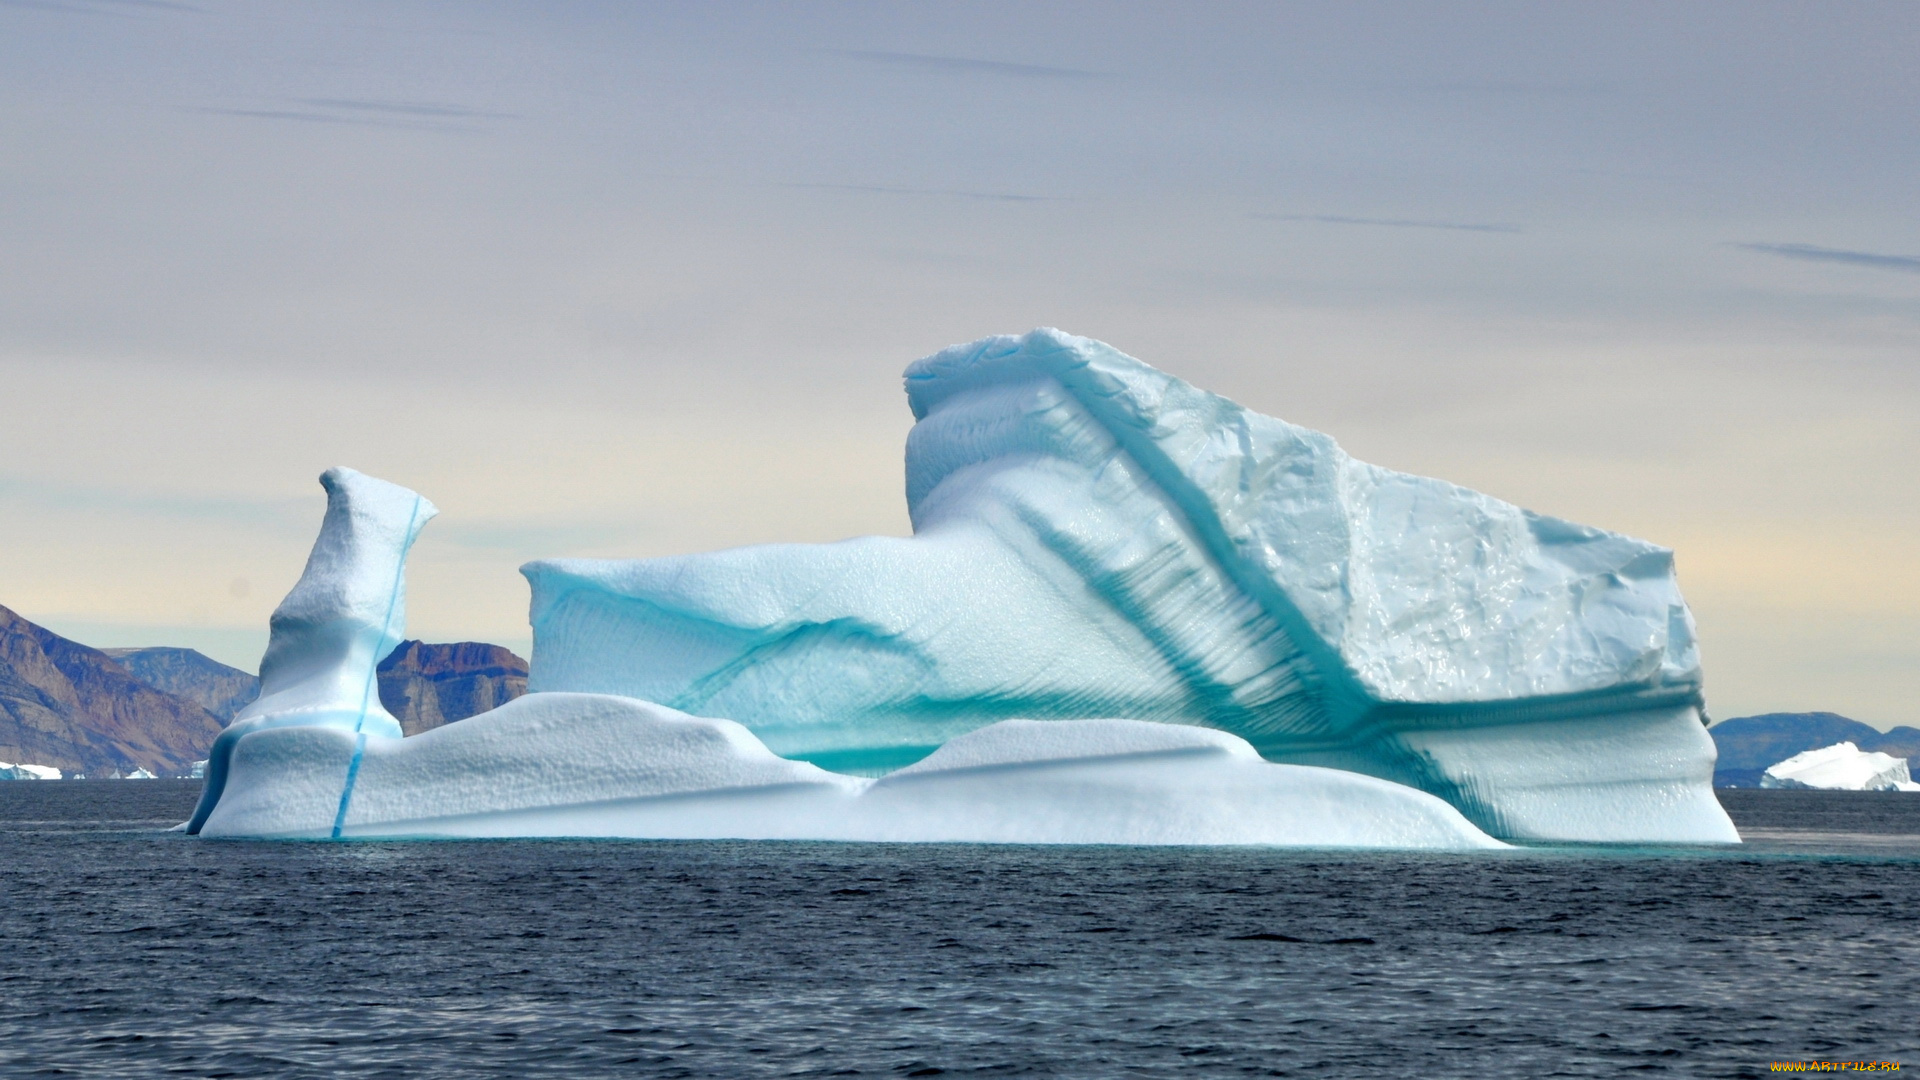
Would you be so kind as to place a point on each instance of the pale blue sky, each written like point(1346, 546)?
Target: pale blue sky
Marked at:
point(622, 279)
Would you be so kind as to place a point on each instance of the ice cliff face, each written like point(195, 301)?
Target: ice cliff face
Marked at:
point(1094, 538)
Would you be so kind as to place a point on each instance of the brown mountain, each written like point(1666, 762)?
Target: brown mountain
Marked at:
point(425, 686)
point(208, 683)
point(75, 708)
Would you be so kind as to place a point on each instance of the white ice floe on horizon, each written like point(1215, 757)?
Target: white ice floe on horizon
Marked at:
point(22, 771)
point(1841, 767)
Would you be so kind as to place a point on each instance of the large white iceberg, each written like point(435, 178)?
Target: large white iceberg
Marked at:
point(1305, 649)
point(1094, 538)
point(1840, 767)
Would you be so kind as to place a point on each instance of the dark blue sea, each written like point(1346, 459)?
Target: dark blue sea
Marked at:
point(128, 951)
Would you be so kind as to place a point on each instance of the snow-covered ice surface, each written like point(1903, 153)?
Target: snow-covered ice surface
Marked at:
point(1094, 538)
point(22, 771)
point(558, 764)
point(1841, 767)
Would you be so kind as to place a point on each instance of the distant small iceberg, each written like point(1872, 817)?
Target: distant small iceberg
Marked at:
point(1841, 767)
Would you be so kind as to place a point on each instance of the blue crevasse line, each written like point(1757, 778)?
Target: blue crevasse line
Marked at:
point(346, 793)
point(373, 675)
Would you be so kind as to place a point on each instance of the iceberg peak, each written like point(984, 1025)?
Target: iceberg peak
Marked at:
point(348, 610)
point(1424, 591)
point(344, 615)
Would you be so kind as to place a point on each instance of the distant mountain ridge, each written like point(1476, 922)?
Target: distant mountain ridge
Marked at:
point(1749, 744)
point(77, 709)
point(215, 687)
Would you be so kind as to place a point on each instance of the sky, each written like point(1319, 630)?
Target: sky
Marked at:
point(629, 280)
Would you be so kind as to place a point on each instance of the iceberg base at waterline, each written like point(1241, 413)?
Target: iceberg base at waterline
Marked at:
point(592, 765)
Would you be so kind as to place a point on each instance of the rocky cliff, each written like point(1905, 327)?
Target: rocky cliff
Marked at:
point(77, 709)
point(425, 686)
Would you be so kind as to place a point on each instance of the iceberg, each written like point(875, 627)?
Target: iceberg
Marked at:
point(1095, 538)
point(1130, 612)
point(1840, 767)
point(22, 771)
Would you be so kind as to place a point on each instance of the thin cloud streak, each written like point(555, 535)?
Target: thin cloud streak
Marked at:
point(331, 118)
point(404, 108)
point(963, 63)
point(991, 196)
point(1396, 223)
point(1813, 253)
point(1502, 88)
point(101, 7)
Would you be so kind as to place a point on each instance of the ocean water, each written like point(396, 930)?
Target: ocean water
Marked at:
point(129, 951)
